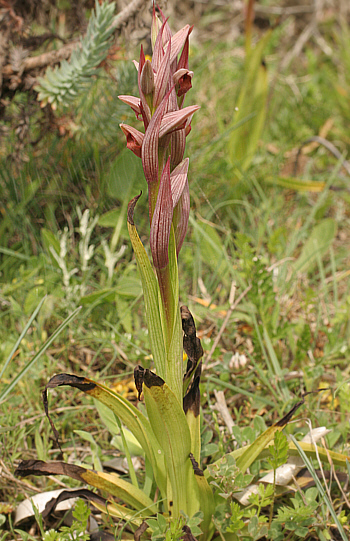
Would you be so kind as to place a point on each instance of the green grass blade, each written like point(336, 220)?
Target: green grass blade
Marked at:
point(18, 255)
point(132, 472)
point(240, 390)
point(41, 351)
point(21, 336)
point(297, 184)
point(276, 365)
point(320, 488)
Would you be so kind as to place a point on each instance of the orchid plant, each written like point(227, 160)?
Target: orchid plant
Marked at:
point(163, 84)
point(167, 431)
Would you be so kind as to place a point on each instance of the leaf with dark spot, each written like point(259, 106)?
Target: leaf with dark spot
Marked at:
point(39, 467)
point(110, 483)
point(285, 420)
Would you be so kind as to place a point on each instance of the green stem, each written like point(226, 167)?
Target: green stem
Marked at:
point(168, 303)
point(273, 498)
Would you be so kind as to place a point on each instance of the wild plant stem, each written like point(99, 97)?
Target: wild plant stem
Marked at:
point(273, 497)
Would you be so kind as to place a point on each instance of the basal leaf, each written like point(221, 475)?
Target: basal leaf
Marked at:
point(130, 416)
point(169, 423)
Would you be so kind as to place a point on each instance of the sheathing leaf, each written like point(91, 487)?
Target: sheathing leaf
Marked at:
point(109, 482)
point(169, 423)
point(151, 296)
point(175, 355)
point(130, 416)
point(206, 505)
point(123, 513)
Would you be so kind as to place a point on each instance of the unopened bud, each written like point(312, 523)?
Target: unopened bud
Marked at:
point(156, 24)
point(147, 79)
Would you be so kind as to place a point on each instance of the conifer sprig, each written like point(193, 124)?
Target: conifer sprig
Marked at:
point(60, 86)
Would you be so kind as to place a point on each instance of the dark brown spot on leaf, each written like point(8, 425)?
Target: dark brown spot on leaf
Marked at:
point(152, 380)
point(197, 470)
point(138, 377)
point(192, 399)
point(191, 343)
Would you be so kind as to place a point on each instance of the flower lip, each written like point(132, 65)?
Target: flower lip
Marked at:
point(183, 80)
point(134, 139)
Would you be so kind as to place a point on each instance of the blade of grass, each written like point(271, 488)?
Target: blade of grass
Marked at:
point(264, 379)
point(127, 454)
point(320, 488)
point(334, 277)
point(7, 251)
point(21, 336)
point(241, 391)
point(270, 368)
point(41, 351)
point(276, 365)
